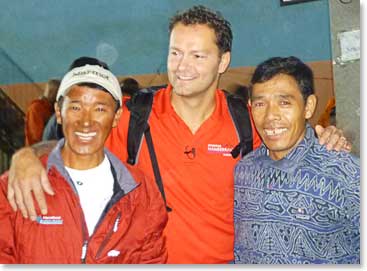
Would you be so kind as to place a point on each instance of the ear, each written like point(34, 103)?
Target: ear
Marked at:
point(58, 113)
point(310, 107)
point(225, 59)
point(117, 117)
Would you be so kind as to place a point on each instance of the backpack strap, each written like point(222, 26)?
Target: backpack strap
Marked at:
point(241, 118)
point(140, 107)
point(155, 166)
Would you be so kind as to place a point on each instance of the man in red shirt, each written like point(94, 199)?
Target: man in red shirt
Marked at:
point(193, 135)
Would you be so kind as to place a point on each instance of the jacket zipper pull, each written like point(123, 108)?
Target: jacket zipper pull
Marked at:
point(108, 235)
point(116, 224)
point(84, 251)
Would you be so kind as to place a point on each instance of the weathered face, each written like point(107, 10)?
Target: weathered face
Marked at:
point(280, 114)
point(194, 60)
point(87, 116)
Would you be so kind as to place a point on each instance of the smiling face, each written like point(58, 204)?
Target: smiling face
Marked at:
point(194, 60)
point(87, 116)
point(280, 114)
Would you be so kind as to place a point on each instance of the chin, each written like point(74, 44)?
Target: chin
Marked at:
point(275, 147)
point(84, 151)
point(87, 150)
point(182, 93)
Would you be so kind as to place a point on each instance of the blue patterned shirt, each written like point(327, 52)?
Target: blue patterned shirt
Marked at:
point(304, 208)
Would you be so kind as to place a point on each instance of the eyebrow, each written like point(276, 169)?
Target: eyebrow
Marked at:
point(79, 101)
point(257, 97)
point(284, 96)
point(101, 103)
point(74, 101)
point(173, 48)
point(193, 51)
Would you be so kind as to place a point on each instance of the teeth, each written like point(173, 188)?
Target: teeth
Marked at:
point(86, 136)
point(185, 77)
point(276, 131)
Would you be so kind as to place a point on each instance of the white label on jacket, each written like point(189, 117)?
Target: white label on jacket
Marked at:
point(50, 220)
point(113, 253)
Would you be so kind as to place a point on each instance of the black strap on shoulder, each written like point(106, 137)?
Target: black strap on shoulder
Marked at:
point(241, 118)
point(157, 173)
point(140, 107)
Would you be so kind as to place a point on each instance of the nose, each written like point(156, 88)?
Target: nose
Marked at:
point(86, 118)
point(183, 63)
point(272, 111)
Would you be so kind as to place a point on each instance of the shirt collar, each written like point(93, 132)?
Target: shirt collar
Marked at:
point(123, 176)
point(168, 108)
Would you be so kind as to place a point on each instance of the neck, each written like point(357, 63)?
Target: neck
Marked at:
point(81, 162)
point(194, 110)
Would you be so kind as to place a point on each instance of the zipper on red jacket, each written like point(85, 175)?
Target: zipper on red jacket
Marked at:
point(85, 234)
point(115, 198)
point(84, 251)
point(108, 235)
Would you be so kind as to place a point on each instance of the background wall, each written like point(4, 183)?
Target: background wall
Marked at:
point(39, 39)
point(346, 17)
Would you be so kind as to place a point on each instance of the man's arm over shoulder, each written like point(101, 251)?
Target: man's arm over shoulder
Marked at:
point(7, 240)
point(154, 248)
point(333, 138)
point(27, 175)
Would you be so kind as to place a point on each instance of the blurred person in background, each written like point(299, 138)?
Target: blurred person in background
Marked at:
point(38, 113)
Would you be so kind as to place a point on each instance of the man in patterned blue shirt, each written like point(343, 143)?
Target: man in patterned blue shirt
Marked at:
point(295, 201)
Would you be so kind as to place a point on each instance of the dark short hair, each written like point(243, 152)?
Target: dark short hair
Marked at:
point(214, 19)
point(86, 60)
point(291, 66)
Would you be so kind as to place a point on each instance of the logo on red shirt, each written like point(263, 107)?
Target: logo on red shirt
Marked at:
point(223, 149)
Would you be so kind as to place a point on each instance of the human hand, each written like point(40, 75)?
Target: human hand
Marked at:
point(27, 175)
point(333, 138)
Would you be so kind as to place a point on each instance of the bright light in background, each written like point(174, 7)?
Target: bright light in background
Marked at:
point(107, 53)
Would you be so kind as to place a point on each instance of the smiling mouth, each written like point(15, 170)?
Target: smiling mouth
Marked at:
point(86, 136)
point(185, 78)
point(275, 131)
